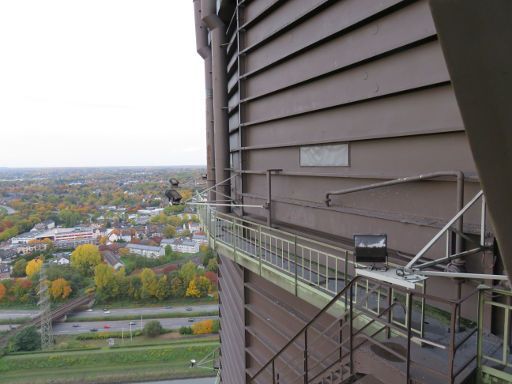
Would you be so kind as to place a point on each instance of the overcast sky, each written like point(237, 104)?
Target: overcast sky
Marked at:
point(100, 83)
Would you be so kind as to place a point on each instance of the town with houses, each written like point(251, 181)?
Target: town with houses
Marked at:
point(143, 239)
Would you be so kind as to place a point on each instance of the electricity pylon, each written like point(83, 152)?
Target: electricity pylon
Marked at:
point(45, 311)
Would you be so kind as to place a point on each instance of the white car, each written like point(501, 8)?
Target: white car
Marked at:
point(107, 312)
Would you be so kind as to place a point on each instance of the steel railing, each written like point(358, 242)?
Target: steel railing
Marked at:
point(311, 262)
point(495, 360)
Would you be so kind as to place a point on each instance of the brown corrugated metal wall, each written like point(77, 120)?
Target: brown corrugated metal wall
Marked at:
point(367, 73)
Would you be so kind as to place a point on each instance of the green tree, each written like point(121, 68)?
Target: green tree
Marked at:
point(18, 269)
point(187, 272)
point(149, 283)
point(177, 287)
point(152, 328)
point(134, 287)
point(27, 339)
point(203, 285)
point(69, 218)
point(85, 258)
point(212, 266)
point(169, 231)
point(162, 288)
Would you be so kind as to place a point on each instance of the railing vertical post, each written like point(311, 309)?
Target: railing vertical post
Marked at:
point(479, 341)
point(451, 356)
point(273, 372)
point(234, 236)
point(409, 336)
point(306, 379)
point(351, 326)
point(259, 248)
point(341, 342)
point(390, 311)
point(423, 303)
point(296, 266)
point(345, 277)
point(214, 230)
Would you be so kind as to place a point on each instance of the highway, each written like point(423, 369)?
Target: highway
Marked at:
point(146, 311)
point(15, 313)
point(86, 326)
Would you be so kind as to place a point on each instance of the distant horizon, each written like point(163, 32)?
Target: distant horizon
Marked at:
point(106, 166)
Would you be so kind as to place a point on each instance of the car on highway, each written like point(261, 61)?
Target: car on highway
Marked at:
point(191, 320)
point(132, 323)
point(106, 326)
point(189, 309)
point(107, 312)
point(89, 310)
point(93, 329)
point(76, 325)
point(168, 307)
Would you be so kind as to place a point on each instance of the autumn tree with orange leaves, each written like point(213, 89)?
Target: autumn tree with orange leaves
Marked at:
point(60, 289)
point(3, 290)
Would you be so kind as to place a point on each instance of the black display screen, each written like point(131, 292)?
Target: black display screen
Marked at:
point(371, 248)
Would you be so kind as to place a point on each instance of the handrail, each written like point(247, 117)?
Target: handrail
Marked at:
point(426, 176)
point(321, 312)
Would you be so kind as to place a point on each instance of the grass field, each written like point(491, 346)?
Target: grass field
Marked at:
point(108, 365)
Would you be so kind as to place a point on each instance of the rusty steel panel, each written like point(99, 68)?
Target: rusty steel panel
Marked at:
point(417, 67)
point(231, 288)
point(398, 115)
point(375, 38)
point(340, 15)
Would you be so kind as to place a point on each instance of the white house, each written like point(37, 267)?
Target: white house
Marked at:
point(180, 245)
point(146, 250)
point(200, 238)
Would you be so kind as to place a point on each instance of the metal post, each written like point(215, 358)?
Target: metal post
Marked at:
point(479, 340)
point(459, 296)
point(306, 379)
point(269, 195)
point(269, 198)
point(409, 336)
point(482, 223)
point(295, 262)
point(451, 356)
point(390, 302)
point(341, 342)
point(273, 372)
point(234, 236)
point(351, 326)
point(259, 247)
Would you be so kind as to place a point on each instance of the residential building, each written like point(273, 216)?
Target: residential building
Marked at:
point(120, 235)
point(181, 245)
point(5, 271)
point(145, 250)
point(329, 120)
point(200, 238)
point(74, 235)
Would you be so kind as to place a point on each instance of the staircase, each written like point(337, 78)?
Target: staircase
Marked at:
point(359, 345)
point(367, 330)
